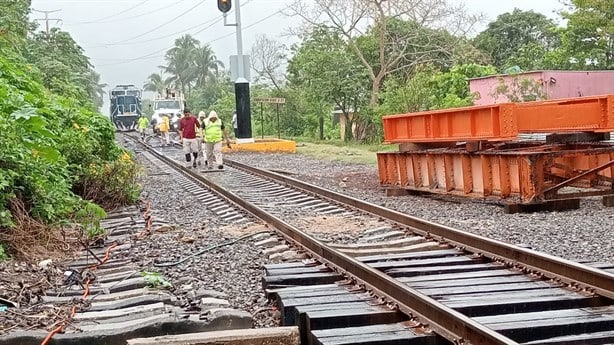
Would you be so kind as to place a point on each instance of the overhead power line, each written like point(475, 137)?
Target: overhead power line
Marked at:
point(159, 26)
point(114, 14)
point(131, 17)
point(153, 54)
point(214, 21)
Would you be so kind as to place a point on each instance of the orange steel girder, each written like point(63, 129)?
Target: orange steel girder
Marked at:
point(500, 122)
point(529, 175)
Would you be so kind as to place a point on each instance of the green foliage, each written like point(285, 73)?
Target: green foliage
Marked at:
point(330, 74)
point(65, 70)
point(14, 24)
point(518, 38)
point(520, 89)
point(156, 280)
point(428, 89)
point(89, 216)
point(588, 41)
point(190, 65)
point(3, 255)
point(205, 96)
point(55, 148)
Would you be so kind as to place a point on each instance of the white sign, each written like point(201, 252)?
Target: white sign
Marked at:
point(234, 67)
point(271, 100)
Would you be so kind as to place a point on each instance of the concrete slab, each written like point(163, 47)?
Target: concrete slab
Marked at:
point(260, 336)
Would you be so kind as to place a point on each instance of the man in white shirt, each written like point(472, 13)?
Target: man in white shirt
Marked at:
point(234, 124)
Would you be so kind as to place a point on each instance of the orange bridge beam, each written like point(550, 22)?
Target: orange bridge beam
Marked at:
point(502, 121)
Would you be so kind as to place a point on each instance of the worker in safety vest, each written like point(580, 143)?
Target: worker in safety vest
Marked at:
point(143, 123)
point(165, 126)
point(214, 133)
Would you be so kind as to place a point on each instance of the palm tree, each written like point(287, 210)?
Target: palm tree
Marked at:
point(207, 65)
point(180, 61)
point(96, 89)
point(156, 83)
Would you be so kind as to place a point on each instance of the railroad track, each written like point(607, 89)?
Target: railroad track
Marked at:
point(405, 280)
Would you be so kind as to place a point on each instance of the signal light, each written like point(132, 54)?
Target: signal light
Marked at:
point(224, 5)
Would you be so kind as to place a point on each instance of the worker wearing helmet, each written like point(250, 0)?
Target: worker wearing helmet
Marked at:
point(214, 133)
point(165, 126)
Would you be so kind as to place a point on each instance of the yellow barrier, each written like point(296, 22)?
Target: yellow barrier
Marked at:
point(263, 145)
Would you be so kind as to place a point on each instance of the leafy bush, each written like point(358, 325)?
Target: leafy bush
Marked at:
point(58, 160)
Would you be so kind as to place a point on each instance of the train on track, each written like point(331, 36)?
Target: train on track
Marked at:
point(125, 106)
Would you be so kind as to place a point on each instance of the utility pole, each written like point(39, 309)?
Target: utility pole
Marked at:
point(47, 19)
point(242, 99)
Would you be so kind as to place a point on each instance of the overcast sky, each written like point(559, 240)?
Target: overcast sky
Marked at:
point(126, 39)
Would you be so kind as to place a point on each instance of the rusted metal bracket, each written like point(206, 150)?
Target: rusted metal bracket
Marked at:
point(552, 192)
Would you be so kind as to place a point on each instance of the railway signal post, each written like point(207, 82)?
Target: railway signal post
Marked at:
point(242, 98)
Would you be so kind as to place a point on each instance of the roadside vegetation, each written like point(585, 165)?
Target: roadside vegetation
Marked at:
point(60, 167)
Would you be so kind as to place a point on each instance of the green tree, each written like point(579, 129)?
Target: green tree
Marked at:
point(431, 89)
point(57, 151)
point(518, 38)
point(330, 74)
point(157, 83)
point(207, 66)
point(64, 67)
point(402, 34)
point(96, 89)
point(588, 40)
point(14, 23)
point(180, 63)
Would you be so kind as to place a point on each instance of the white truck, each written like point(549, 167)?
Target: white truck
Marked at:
point(172, 104)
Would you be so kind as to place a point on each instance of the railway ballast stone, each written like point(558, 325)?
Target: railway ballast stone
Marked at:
point(202, 293)
point(259, 336)
point(268, 243)
point(261, 236)
point(227, 318)
point(213, 302)
point(277, 249)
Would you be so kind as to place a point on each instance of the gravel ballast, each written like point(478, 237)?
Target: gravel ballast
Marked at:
point(231, 272)
point(586, 234)
point(236, 270)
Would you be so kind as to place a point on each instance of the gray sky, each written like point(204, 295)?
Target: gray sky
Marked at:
point(126, 39)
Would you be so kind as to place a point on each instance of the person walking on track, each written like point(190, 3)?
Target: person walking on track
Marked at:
point(143, 123)
point(235, 127)
point(214, 133)
point(202, 116)
point(187, 133)
point(164, 128)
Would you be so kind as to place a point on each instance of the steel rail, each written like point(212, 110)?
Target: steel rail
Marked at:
point(443, 320)
point(592, 279)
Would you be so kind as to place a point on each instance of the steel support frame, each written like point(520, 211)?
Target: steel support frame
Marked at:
point(500, 122)
point(525, 173)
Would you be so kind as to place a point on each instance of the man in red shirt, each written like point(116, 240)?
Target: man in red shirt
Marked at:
point(187, 132)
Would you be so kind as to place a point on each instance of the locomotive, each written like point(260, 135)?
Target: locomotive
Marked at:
point(125, 106)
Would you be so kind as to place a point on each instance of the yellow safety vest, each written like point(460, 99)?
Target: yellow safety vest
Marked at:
point(165, 126)
point(143, 122)
point(213, 131)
